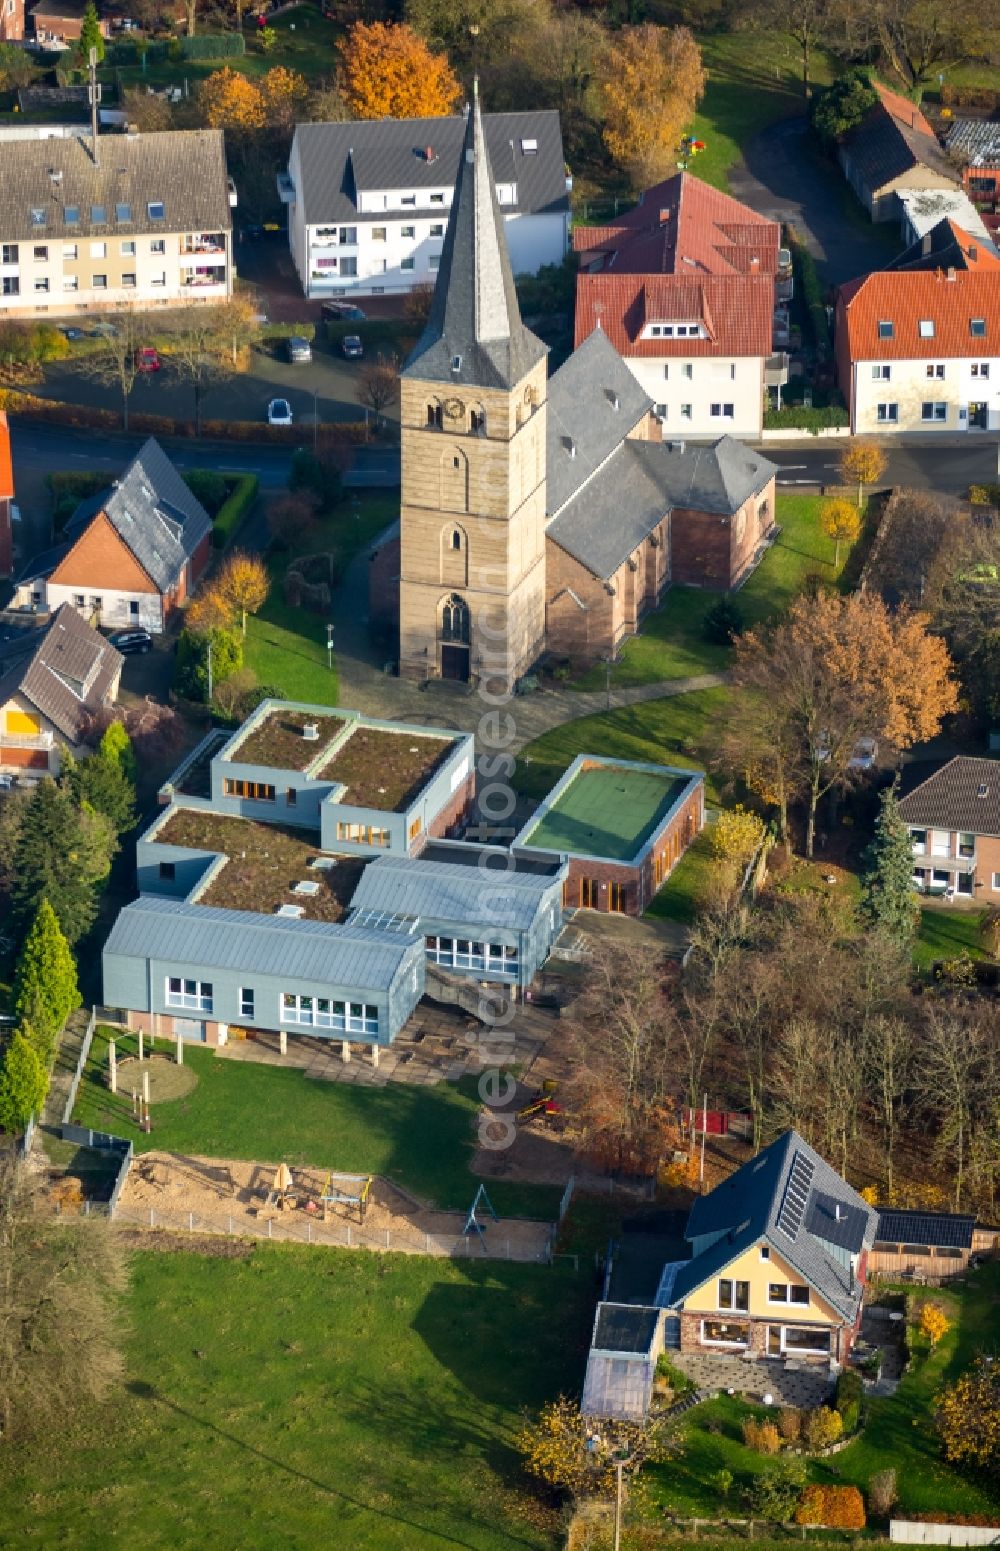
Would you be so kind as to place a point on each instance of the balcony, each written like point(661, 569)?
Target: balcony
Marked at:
point(286, 189)
point(206, 279)
point(201, 245)
point(21, 740)
point(776, 370)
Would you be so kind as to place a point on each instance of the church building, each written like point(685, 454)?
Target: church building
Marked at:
point(541, 516)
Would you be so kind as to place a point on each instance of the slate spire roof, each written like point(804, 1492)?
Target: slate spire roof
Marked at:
point(474, 334)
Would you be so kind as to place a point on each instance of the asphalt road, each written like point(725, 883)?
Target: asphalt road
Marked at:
point(950, 468)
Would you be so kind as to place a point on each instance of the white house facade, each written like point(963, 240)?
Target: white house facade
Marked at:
point(148, 224)
point(704, 397)
point(946, 396)
point(368, 202)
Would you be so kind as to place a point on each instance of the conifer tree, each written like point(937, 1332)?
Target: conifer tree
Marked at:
point(45, 988)
point(23, 1084)
point(887, 902)
point(117, 749)
point(103, 784)
point(62, 853)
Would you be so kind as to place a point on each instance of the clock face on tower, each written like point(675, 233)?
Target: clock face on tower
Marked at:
point(453, 409)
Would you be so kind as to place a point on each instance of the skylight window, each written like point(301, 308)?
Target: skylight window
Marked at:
point(977, 328)
point(156, 210)
point(926, 328)
point(123, 212)
point(71, 215)
point(38, 217)
point(98, 215)
point(456, 363)
point(886, 330)
point(529, 147)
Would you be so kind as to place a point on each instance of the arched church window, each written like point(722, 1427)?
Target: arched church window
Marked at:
point(456, 540)
point(477, 422)
point(455, 619)
point(434, 415)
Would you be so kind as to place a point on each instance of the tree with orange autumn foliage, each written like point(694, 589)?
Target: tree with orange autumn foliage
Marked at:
point(282, 92)
point(229, 100)
point(208, 610)
point(388, 71)
point(651, 82)
point(837, 670)
point(243, 583)
point(841, 522)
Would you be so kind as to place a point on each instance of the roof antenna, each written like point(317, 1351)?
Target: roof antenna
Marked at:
point(93, 97)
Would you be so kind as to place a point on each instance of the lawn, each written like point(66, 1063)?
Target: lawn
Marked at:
point(303, 1398)
point(899, 1431)
point(286, 643)
point(680, 897)
point(673, 645)
point(681, 730)
point(422, 1137)
point(305, 43)
point(945, 933)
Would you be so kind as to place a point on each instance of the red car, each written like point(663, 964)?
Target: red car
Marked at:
point(147, 359)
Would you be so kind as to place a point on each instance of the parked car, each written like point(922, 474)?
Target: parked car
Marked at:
point(299, 349)
point(352, 347)
point(250, 231)
point(129, 641)
point(279, 412)
point(147, 359)
point(342, 312)
point(103, 331)
point(73, 333)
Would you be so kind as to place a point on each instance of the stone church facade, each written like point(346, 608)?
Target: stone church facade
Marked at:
point(540, 515)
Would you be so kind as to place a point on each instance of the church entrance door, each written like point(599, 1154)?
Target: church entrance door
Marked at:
point(455, 663)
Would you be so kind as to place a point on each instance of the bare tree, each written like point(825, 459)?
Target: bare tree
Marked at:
point(888, 1067)
point(61, 1319)
point(954, 1055)
point(115, 360)
point(199, 340)
point(378, 384)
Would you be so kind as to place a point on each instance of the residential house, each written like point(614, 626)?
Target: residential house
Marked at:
point(131, 554)
point(954, 821)
point(974, 144)
point(148, 222)
point(368, 201)
point(684, 286)
point(7, 507)
point(893, 149)
point(553, 505)
point(919, 349)
point(922, 1246)
point(11, 21)
point(52, 680)
point(57, 23)
point(921, 210)
point(779, 1255)
point(331, 825)
point(946, 246)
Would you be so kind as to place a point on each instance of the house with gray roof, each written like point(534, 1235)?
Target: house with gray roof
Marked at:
point(131, 554)
point(778, 1262)
point(953, 817)
point(893, 149)
point(368, 201)
point(53, 679)
point(146, 222)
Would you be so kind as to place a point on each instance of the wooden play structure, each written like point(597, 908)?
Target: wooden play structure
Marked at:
point(356, 1200)
point(279, 1198)
point(542, 1104)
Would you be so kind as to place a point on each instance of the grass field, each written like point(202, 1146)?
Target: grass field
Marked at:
point(607, 811)
point(899, 1431)
point(306, 43)
point(681, 895)
point(422, 1137)
point(303, 1398)
point(673, 645)
point(945, 933)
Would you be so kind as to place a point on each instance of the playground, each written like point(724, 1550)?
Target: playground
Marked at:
point(604, 810)
point(178, 1192)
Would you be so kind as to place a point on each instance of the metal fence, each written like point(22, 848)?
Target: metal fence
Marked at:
point(29, 1135)
point(74, 1085)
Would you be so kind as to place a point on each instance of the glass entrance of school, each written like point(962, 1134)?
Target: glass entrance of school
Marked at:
point(589, 893)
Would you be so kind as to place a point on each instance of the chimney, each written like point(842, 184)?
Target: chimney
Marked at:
point(925, 243)
point(429, 153)
point(572, 449)
point(951, 273)
point(755, 262)
point(664, 217)
point(973, 252)
point(838, 1212)
point(310, 731)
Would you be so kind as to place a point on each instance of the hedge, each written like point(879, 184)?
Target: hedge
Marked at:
point(288, 331)
point(797, 417)
point(213, 45)
point(233, 509)
point(333, 434)
point(398, 333)
point(811, 292)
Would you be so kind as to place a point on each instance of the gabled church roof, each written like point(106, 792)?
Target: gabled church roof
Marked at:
point(474, 335)
point(592, 403)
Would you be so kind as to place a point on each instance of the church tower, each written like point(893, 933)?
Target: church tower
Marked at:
point(472, 519)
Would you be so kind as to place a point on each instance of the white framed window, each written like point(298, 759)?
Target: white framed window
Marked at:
point(926, 328)
point(157, 245)
point(918, 839)
point(461, 953)
point(319, 1012)
point(765, 1252)
point(797, 1338)
point(99, 282)
point(407, 231)
point(434, 261)
point(940, 842)
point(379, 233)
point(888, 413)
point(71, 282)
point(408, 201)
point(98, 250)
point(407, 263)
point(724, 1332)
point(935, 369)
point(40, 253)
point(733, 1294)
point(8, 253)
point(660, 410)
point(977, 328)
point(128, 281)
point(980, 368)
point(966, 845)
point(70, 250)
point(687, 370)
point(349, 266)
point(882, 372)
point(159, 279)
point(933, 411)
point(348, 235)
point(787, 1292)
point(195, 995)
point(886, 329)
point(128, 249)
point(437, 230)
point(41, 282)
point(246, 1002)
point(687, 412)
point(996, 883)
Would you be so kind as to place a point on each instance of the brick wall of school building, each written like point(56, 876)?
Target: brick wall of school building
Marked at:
point(161, 1025)
point(628, 890)
point(455, 809)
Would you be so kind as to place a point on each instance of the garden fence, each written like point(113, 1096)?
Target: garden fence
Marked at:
point(29, 1135)
point(81, 1062)
point(341, 1235)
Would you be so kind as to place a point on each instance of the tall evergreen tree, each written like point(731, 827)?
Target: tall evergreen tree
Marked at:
point(887, 902)
point(91, 35)
point(23, 1084)
point(104, 785)
point(45, 988)
point(62, 853)
point(116, 748)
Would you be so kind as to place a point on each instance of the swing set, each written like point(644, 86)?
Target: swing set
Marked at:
point(472, 1223)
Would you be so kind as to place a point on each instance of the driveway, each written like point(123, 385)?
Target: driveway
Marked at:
point(783, 175)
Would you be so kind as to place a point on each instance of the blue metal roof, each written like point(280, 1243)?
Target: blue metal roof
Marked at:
point(445, 891)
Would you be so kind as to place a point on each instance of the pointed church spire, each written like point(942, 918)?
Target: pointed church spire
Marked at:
point(474, 333)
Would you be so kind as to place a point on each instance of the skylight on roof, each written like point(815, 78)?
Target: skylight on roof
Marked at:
point(38, 217)
point(977, 328)
point(529, 147)
point(72, 215)
point(98, 215)
point(886, 329)
point(926, 328)
point(123, 212)
point(156, 210)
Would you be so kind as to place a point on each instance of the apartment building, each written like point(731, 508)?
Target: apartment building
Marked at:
point(954, 822)
point(142, 219)
point(368, 202)
point(917, 349)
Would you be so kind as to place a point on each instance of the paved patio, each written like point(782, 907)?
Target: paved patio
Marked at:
point(439, 1044)
point(789, 1385)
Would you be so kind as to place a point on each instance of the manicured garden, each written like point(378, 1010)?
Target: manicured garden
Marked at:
point(898, 1434)
point(945, 932)
point(300, 1398)
point(422, 1137)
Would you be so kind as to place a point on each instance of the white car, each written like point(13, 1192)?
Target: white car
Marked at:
point(279, 412)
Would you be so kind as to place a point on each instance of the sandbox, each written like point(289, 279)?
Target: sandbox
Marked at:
point(231, 1196)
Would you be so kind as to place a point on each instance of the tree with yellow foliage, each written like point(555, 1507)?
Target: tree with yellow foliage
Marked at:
point(578, 1454)
point(934, 1323)
point(968, 1417)
point(388, 71)
point(229, 100)
point(841, 522)
point(737, 834)
point(651, 82)
point(243, 583)
point(862, 463)
point(283, 92)
point(208, 610)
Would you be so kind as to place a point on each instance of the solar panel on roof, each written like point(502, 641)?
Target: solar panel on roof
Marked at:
point(943, 1229)
point(796, 1195)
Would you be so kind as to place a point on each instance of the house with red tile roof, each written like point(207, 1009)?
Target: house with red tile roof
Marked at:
point(683, 285)
point(6, 501)
point(893, 149)
point(919, 349)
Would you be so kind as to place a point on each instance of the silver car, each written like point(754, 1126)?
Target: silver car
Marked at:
point(299, 349)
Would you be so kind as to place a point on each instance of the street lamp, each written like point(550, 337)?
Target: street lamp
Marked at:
point(329, 647)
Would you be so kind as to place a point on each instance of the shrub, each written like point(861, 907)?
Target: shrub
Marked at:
point(790, 1424)
point(882, 1493)
point(723, 621)
point(822, 1427)
point(722, 1480)
point(191, 679)
point(984, 495)
point(773, 1493)
point(797, 417)
point(678, 1381)
point(216, 45)
point(843, 105)
point(956, 96)
point(836, 1507)
point(316, 477)
point(849, 1387)
point(208, 487)
point(761, 1436)
point(68, 488)
point(850, 1415)
point(233, 510)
